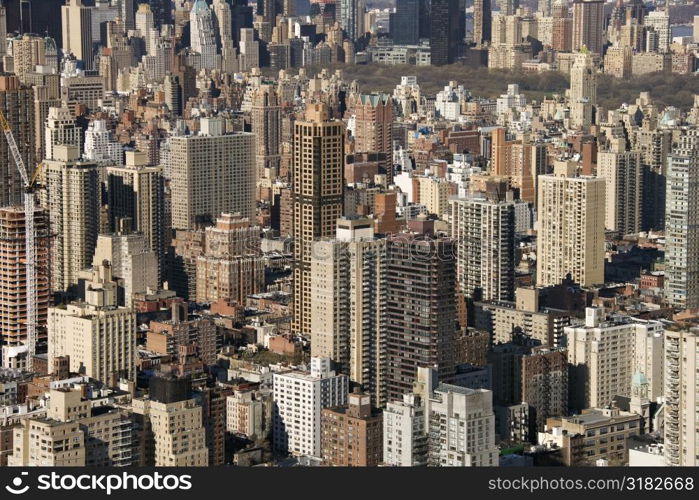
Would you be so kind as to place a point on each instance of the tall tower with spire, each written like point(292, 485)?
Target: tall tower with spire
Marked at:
point(203, 34)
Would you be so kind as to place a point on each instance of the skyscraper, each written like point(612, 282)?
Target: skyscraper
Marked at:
point(446, 31)
point(17, 104)
point(203, 35)
point(405, 22)
point(211, 173)
point(318, 184)
point(373, 127)
point(348, 283)
point(682, 224)
point(13, 276)
point(484, 229)
point(420, 309)
point(588, 25)
point(61, 129)
point(73, 200)
point(136, 192)
point(482, 22)
point(267, 126)
point(571, 227)
point(351, 16)
point(623, 174)
point(77, 31)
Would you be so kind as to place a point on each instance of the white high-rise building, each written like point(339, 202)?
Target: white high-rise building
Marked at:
point(299, 397)
point(61, 129)
point(485, 231)
point(404, 436)
point(605, 353)
point(681, 397)
point(211, 173)
point(99, 146)
point(203, 35)
point(461, 425)
point(682, 224)
point(570, 234)
point(131, 259)
point(659, 22)
point(145, 24)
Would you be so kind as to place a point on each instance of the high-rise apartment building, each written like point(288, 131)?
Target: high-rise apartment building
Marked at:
point(351, 17)
point(352, 436)
point(211, 173)
point(446, 31)
point(583, 91)
point(299, 398)
point(318, 186)
point(681, 401)
point(571, 227)
point(544, 379)
point(231, 266)
point(348, 282)
point(682, 224)
point(98, 336)
point(588, 25)
point(17, 104)
point(13, 275)
point(373, 127)
point(420, 309)
point(100, 147)
point(484, 228)
point(623, 176)
point(131, 259)
point(76, 22)
point(461, 425)
point(404, 432)
point(73, 200)
point(136, 192)
point(60, 129)
point(604, 354)
point(172, 430)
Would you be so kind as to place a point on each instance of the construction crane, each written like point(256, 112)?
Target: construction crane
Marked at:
point(30, 187)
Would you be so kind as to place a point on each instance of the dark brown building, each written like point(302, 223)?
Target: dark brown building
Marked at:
point(420, 309)
point(545, 384)
point(353, 436)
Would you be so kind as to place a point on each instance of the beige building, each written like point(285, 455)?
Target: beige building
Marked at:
point(177, 432)
point(211, 173)
point(596, 433)
point(570, 236)
point(504, 318)
point(99, 337)
point(651, 62)
point(623, 176)
point(245, 414)
point(318, 172)
point(347, 290)
point(76, 21)
point(617, 62)
point(681, 397)
point(73, 201)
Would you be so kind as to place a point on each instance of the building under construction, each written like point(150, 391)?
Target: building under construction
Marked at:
point(13, 274)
